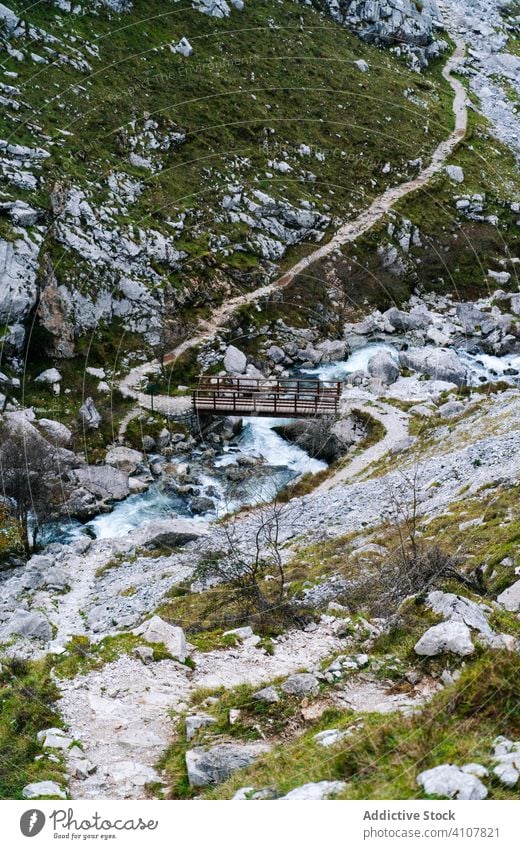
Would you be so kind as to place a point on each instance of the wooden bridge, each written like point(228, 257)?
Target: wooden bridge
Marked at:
point(246, 396)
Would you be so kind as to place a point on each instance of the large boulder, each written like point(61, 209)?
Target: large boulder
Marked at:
point(448, 636)
point(30, 624)
point(451, 782)
point(383, 367)
point(126, 459)
point(332, 350)
point(314, 791)
point(104, 482)
point(234, 360)
point(404, 322)
point(168, 534)
point(156, 630)
point(457, 608)
point(214, 765)
point(439, 363)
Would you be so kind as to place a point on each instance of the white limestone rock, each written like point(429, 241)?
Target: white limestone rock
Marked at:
point(449, 781)
point(156, 630)
point(448, 636)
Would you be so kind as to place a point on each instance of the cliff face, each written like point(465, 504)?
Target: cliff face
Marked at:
point(389, 21)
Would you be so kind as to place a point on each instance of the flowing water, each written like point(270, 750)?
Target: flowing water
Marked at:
point(279, 461)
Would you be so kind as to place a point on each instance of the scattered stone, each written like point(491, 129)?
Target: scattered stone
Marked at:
point(54, 738)
point(315, 791)
point(240, 633)
point(193, 723)
point(89, 416)
point(510, 598)
point(301, 685)
point(448, 636)
point(156, 630)
point(449, 781)
point(39, 789)
point(268, 694)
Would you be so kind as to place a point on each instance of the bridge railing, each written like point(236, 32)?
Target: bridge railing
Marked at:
point(283, 398)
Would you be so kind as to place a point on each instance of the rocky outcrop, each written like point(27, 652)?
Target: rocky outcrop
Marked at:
point(156, 630)
point(388, 21)
point(448, 636)
point(214, 765)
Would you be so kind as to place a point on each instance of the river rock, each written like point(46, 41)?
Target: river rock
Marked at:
point(105, 482)
point(301, 685)
point(28, 624)
point(89, 416)
point(448, 636)
point(314, 791)
point(201, 504)
point(126, 459)
point(234, 360)
point(383, 367)
point(39, 789)
point(156, 630)
point(439, 363)
point(214, 765)
point(451, 782)
point(510, 598)
point(168, 534)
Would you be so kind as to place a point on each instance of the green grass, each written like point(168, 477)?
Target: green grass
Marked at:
point(29, 704)
point(382, 759)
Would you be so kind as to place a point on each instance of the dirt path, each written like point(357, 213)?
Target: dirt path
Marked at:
point(347, 234)
point(395, 423)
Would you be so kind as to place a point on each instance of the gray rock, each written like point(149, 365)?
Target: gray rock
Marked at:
point(448, 636)
point(104, 482)
point(214, 765)
point(50, 376)
point(126, 459)
point(156, 630)
point(439, 363)
point(330, 737)
point(39, 789)
point(193, 723)
point(455, 173)
point(510, 598)
point(201, 504)
point(315, 791)
point(301, 685)
point(457, 608)
point(241, 633)
point(268, 694)
point(276, 354)
point(168, 534)
point(54, 738)
point(234, 361)
point(28, 624)
point(89, 416)
point(362, 66)
point(383, 367)
point(451, 782)
point(56, 432)
point(451, 409)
